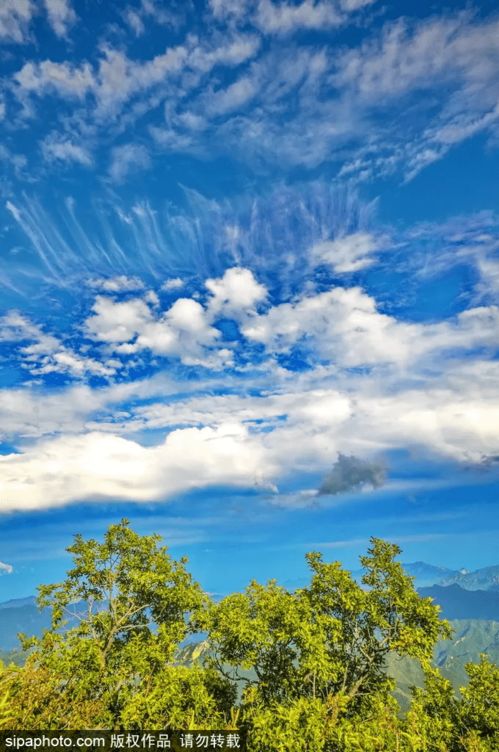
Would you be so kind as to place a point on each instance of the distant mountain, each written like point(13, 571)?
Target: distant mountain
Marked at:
point(20, 615)
point(428, 574)
point(457, 603)
point(23, 615)
point(424, 574)
point(471, 638)
point(482, 579)
point(18, 602)
point(12, 656)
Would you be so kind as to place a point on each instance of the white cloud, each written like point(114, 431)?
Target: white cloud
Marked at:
point(35, 411)
point(117, 321)
point(65, 79)
point(121, 283)
point(236, 50)
point(182, 331)
point(46, 354)
point(62, 149)
point(14, 210)
point(236, 294)
point(344, 326)
point(15, 16)
point(488, 268)
point(96, 466)
point(185, 330)
point(149, 12)
point(283, 18)
point(6, 568)
point(347, 97)
point(299, 105)
point(437, 140)
point(152, 298)
point(116, 78)
point(451, 55)
point(347, 253)
point(172, 284)
point(224, 9)
point(279, 17)
point(352, 5)
point(247, 440)
point(340, 324)
point(61, 16)
point(126, 159)
point(172, 140)
point(464, 127)
point(134, 20)
point(233, 97)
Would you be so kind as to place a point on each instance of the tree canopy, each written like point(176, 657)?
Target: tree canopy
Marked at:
point(297, 670)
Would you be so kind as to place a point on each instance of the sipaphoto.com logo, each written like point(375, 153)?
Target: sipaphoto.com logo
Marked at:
point(54, 740)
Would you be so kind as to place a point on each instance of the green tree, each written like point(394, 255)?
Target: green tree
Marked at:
point(117, 622)
point(300, 670)
point(311, 663)
point(5, 702)
point(478, 711)
point(438, 721)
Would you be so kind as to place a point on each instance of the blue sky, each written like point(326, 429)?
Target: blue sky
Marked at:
point(248, 281)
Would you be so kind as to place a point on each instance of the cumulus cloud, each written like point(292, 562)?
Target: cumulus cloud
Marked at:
point(350, 473)
point(430, 386)
point(235, 294)
point(345, 326)
point(6, 568)
point(117, 321)
point(96, 466)
point(182, 331)
point(186, 329)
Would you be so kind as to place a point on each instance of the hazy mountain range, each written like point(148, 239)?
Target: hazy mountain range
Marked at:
point(480, 579)
point(462, 594)
point(426, 575)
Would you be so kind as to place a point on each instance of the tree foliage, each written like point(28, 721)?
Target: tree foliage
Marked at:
point(298, 670)
point(117, 621)
point(5, 700)
point(317, 655)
